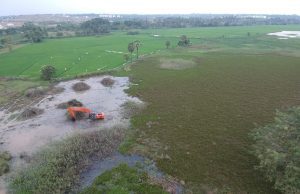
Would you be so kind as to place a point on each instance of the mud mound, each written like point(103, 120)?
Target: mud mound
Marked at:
point(35, 92)
point(65, 105)
point(31, 112)
point(176, 64)
point(57, 90)
point(107, 82)
point(80, 86)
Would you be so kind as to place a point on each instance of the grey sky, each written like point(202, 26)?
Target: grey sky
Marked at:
point(17, 7)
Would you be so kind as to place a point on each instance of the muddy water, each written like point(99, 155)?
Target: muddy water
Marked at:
point(28, 136)
point(286, 34)
point(100, 166)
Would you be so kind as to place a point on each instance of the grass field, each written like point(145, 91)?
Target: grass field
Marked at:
point(74, 56)
point(201, 116)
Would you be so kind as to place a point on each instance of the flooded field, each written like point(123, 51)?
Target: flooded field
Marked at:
point(286, 34)
point(26, 136)
point(100, 166)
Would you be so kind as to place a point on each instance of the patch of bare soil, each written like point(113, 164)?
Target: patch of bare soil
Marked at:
point(107, 82)
point(80, 86)
point(73, 102)
point(176, 64)
point(31, 112)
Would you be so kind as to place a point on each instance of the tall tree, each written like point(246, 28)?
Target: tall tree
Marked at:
point(131, 48)
point(184, 41)
point(137, 45)
point(168, 43)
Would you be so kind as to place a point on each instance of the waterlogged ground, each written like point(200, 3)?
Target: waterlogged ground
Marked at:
point(286, 34)
point(197, 121)
point(27, 136)
point(100, 166)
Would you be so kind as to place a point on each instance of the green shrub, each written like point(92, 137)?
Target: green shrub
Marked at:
point(57, 168)
point(48, 72)
point(277, 146)
point(124, 180)
point(5, 157)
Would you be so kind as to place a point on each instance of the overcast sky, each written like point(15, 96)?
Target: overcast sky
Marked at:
point(17, 7)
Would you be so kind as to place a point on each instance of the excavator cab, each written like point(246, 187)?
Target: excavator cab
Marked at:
point(93, 116)
point(96, 116)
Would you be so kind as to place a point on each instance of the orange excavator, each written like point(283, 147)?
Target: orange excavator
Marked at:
point(93, 116)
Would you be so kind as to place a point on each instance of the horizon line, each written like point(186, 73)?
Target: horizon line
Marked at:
point(153, 14)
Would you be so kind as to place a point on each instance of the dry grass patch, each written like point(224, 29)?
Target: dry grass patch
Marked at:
point(176, 64)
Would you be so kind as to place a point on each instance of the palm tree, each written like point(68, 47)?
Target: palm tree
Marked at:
point(137, 45)
point(131, 48)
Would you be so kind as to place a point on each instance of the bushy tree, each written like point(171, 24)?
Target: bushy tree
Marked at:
point(96, 26)
point(184, 41)
point(34, 33)
point(59, 34)
point(277, 146)
point(126, 57)
point(47, 72)
point(6, 42)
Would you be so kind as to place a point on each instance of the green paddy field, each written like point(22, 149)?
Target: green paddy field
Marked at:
point(80, 55)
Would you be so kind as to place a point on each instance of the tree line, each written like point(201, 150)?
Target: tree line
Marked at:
point(36, 33)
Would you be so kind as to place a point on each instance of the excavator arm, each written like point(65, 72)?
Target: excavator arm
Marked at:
point(73, 110)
